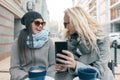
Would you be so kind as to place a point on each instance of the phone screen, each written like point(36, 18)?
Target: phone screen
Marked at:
point(59, 46)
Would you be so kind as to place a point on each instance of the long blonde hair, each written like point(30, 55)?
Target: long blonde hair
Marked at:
point(84, 24)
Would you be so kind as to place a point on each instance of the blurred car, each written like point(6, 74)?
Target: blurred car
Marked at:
point(114, 38)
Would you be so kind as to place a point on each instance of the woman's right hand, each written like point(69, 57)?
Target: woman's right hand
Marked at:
point(67, 60)
point(61, 67)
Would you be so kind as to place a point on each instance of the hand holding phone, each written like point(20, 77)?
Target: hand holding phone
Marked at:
point(59, 46)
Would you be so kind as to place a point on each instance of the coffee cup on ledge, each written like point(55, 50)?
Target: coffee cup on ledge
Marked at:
point(37, 73)
point(87, 74)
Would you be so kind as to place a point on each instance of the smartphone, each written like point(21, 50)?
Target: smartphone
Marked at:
point(59, 46)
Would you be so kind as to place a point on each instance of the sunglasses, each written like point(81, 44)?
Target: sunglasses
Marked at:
point(37, 23)
point(65, 24)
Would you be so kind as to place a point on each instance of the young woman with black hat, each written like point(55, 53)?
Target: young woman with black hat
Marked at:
point(33, 47)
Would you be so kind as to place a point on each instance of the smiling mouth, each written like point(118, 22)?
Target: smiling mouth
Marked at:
point(39, 29)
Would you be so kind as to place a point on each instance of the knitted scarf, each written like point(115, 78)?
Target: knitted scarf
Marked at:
point(39, 39)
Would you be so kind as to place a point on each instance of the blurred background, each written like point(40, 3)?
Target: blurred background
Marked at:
point(106, 12)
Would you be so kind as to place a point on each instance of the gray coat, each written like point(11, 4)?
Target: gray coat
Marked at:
point(44, 56)
point(97, 58)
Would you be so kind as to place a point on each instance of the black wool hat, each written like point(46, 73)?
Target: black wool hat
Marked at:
point(29, 17)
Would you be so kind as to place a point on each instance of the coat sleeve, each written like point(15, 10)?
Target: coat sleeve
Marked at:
point(51, 60)
point(16, 71)
point(101, 64)
point(104, 58)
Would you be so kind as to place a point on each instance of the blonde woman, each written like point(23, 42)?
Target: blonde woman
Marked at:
point(88, 45)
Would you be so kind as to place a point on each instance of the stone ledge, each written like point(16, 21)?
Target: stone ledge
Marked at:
point(4, 65)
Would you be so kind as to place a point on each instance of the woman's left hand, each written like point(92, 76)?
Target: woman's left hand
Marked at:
point(69, 59)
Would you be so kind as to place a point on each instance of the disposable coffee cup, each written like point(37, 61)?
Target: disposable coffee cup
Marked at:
point(87, 74)
point(37, 73)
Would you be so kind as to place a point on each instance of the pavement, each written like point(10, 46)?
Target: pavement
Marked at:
point(5, 64)
point(4, 69)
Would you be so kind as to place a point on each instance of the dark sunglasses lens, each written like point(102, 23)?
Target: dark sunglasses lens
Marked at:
point(42, 23)
point(38, 23)
point(65, 24)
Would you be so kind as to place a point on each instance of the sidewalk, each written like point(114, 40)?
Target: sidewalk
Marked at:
point(117, 72)
point(4, 69)
point(5, 64)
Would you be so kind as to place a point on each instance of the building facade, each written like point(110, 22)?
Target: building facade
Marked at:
point(11, 12)
point(115, 15)
point(106, 12)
